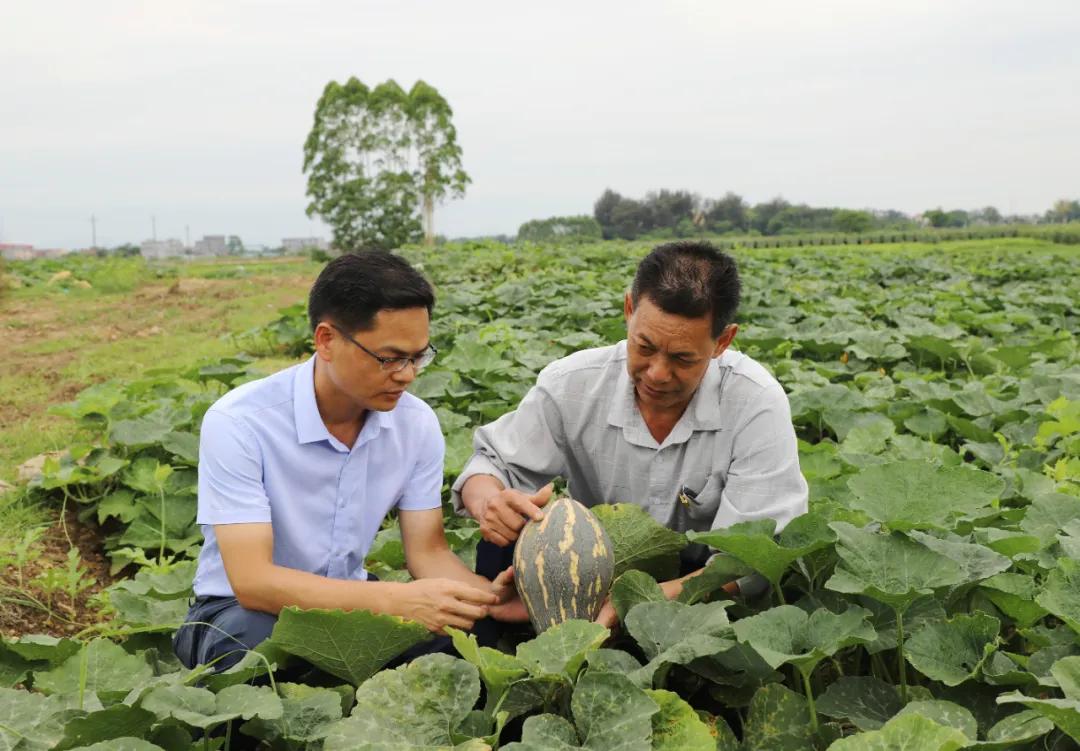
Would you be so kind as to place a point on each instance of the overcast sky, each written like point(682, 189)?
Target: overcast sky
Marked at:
point(195, 112)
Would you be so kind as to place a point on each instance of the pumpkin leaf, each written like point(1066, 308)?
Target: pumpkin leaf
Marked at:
point(889, 568)
point(909, 731)
point(639, 542)
point(789, 634)
point(562, 649)
point(101, 667)
point(308, 712)
point(1061, 595)
point(919, 495)
point(674, 633)
point(779, 720)
point(955, 650)
point(350, 645)
point(676, 727)
point(753, 542)
point(632, 588)
point(419, 705)
point(864, 701)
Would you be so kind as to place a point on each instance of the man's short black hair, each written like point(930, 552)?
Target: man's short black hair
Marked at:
point(690, 278)
point(354, 287)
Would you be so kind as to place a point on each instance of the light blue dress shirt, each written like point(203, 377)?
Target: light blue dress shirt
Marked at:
point(265, 455)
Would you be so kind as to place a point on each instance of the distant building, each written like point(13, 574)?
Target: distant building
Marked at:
point(49, 252)
point(300, 244)
point(154, 249)
point(210, 245)
point(16, 252)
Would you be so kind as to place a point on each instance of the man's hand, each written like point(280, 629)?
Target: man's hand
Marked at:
point(504, 513)
point(510, 607)
point(438, 603)
point(607, 617)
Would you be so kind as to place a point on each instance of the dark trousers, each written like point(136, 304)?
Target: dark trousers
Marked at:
point(220, 628)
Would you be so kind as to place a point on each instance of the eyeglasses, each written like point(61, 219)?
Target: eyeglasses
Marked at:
point(396, 364)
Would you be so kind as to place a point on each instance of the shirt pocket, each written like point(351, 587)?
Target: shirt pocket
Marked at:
point(701, 509)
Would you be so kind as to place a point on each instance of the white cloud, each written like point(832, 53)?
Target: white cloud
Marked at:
point(197, 112)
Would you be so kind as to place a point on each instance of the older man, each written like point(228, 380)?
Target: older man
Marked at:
point(671, 419)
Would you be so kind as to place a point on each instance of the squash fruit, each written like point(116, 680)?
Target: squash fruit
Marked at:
point(563, 564)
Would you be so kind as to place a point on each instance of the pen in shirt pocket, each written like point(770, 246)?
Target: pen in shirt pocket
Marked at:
point(687, 496)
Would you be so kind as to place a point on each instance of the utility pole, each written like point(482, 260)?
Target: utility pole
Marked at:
point(187, 236)
point(153, 228)
point(93, 231)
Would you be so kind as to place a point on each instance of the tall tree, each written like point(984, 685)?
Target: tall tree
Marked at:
point(375, 157)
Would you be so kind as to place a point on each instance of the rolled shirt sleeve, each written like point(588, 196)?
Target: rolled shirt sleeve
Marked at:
point(524, 449)
point(423, 490)
point(231, 489)
point(764, 480)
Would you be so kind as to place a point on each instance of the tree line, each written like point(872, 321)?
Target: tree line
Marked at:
point(681, 213)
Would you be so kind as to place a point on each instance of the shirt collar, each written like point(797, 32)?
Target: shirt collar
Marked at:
point(310, 427)
point(702, 413)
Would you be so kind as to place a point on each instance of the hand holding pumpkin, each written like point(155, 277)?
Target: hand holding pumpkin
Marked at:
point(504, 513)
point(510, 607)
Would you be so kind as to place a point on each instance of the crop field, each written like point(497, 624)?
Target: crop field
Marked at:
point(930, 599)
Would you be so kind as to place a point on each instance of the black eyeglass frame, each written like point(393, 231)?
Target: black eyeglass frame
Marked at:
point(419, 362)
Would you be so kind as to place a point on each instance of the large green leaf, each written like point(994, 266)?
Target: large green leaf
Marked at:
point(976, 561)
point(903, 733)
point(497, 669)
point(674, 633)
point(204, 709)
point(866, 702)
point(1064, 713)
point(562, 649)
point(945, 713)
point(1061, 595)
point(351, 645)
point(779, 720)
point(121, 744)
point(788, 634)
point(639, 542)
point(1014, 595)
point(118, 721)
point(955, 650)
point(612, 714)
point(29, 721)
point(676, 727)
point(753, 542)
point(917, 494)
point(101, 667)
point(1014, 731)
point(632, 588)
point(889, 568)
point(308, 712)
point(419, 705)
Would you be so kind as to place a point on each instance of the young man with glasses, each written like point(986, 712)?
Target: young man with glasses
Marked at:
point(298, 470)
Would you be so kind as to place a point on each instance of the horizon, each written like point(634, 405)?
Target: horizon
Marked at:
point(197, 115)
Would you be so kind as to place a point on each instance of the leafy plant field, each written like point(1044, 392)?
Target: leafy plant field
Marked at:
point(929, 600)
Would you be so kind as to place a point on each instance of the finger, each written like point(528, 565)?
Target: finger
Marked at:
point(504, 578)
point(461, 609)
point(510, 516)
point(543, 495)
point(494, 537)
point(732, 587)
point(523, 505)
point(466, 593)
point(501, 526)
point(460, 623)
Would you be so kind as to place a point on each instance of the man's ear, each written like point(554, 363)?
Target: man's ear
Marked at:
point(725, 340)
point(628, 306)
point(324, 337)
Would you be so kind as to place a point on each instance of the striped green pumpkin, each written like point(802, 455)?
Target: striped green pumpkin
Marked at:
point(563, 565)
